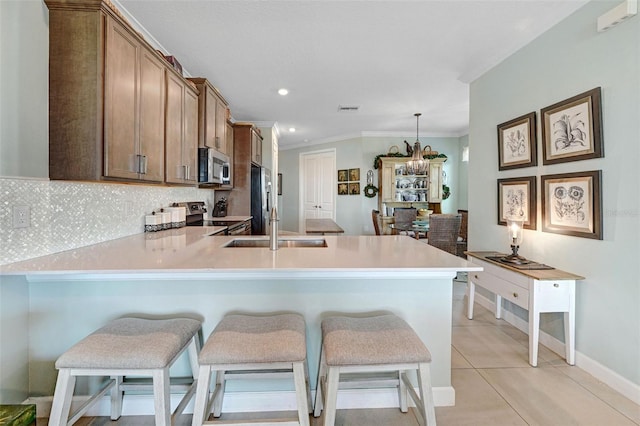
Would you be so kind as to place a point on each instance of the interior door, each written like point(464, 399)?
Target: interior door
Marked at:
point(317, 171)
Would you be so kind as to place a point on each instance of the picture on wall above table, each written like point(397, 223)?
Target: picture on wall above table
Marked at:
point(343, 175)
point(354, 188)
point(343, 189)
point(572, 204)
point(517, 200)
point(354, 175)
point(517, 145)
point(572, 129)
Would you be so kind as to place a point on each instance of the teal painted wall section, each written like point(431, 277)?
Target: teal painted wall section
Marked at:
point(569, 59)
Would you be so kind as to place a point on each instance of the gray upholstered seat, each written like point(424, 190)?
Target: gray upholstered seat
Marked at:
point(126, 346)
point(257, 344)
point(131, 343)
point(241, 339)
point(375, 344)
point(381, 339)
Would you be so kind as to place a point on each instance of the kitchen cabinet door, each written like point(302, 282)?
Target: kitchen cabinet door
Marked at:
point(256, 148)
point(134, 108)
point(121, 103)
point(181, 131)
point(152, 116)
point(221, 126)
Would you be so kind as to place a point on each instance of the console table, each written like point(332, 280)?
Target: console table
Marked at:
point(546, 290)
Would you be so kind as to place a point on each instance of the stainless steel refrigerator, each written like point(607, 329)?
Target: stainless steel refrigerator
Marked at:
point(260, 200)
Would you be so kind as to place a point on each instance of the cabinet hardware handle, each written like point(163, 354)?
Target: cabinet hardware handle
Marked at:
point(515, 295)
point(556, 285)
point(184, 171)
point(475, 276)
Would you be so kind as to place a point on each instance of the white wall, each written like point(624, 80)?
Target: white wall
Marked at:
point(353, 212)
point(569, 59)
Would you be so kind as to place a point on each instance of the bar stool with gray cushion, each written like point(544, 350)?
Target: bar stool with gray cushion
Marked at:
point(383, 343)
point(259, 345)
point(124, 347)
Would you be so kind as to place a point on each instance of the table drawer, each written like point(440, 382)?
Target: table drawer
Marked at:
point(503, 273)
point(507, 290)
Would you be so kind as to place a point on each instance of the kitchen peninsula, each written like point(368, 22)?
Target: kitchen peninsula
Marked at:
point(69, 294)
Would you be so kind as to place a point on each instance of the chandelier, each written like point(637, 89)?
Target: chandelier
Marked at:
point(418, 165)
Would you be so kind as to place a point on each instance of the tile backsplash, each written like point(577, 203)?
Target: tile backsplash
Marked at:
point(66, 215)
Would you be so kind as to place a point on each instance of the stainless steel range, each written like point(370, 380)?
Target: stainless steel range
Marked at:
point(195, 211)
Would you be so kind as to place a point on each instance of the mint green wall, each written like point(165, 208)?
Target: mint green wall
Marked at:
point(24, 84)
point(569, 59)
point(353, 213)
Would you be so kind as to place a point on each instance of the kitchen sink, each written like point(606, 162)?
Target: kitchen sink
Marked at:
point(282, 242)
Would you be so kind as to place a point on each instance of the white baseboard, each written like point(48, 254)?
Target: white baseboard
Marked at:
point(609, 377)
point(139, 405)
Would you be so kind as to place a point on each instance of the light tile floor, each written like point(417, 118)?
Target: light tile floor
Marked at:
point(494, 383)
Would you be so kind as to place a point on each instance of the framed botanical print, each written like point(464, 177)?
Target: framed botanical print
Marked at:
point(517, 200)
point(354, 188)
point(354, 175)
point(343, 188)
point(572, 129)
point(572, 204)
point(343, 175)
point(517, 145)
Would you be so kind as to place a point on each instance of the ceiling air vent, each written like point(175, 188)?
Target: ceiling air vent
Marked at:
point(348, 108)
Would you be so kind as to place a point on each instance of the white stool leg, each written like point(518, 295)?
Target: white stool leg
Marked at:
point(301, 393)
point(402, 393)
point(308, 387)
point(62, 398)
point(331, 399)
point(193, 351)
point(200, 412)
point(426, 393)
point(116, 398)
point(161, 397)
point(218, 395)
point(322, 371)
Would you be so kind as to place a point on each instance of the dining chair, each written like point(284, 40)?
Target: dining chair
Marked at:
point(403, 221)
point(443, 231)
point(461, 244)
point(375, 216)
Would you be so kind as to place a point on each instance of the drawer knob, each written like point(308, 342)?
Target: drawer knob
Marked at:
point(556, 285)
point(515, 295)
point(476, 276)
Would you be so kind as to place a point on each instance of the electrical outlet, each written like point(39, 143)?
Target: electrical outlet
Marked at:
point(21, 216)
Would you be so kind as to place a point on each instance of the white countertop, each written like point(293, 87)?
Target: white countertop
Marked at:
point(193, 250)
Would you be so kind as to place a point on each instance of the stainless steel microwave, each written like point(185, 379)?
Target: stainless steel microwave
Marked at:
point(213, 167)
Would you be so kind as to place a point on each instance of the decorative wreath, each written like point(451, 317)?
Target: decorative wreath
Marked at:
point(370, 191)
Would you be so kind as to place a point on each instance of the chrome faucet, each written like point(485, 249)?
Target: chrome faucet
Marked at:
point(273, 234)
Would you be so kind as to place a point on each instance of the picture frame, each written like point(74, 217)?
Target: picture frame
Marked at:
point(354, 188)
point(572, 129)
point(343, 175)
point(343, 189)
point(354, 175)
point(279, 183)
point(517, 200)
point(517, 143)
point(572, 204)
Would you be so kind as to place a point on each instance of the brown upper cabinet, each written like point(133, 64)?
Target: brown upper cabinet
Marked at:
point(107, 99)
point(181, 131)
point(212, 113)
point(256, 147)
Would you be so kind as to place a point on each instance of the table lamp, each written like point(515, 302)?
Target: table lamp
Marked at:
point(515, 230)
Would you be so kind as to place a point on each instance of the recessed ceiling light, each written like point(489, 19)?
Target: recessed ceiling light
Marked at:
point(283, 92)
point(292, 129)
